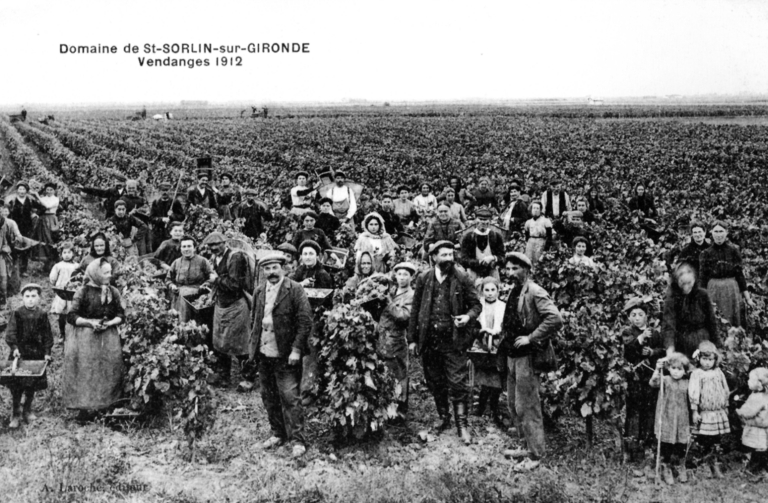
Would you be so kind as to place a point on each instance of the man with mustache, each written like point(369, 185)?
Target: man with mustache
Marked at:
point(282, 320)
point(202, 194)
point(444, 303)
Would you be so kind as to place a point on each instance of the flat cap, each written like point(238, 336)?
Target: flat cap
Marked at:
point(288, 248)
point(406, 266)
point(272, 258)
point(32, 286)
point(164, 185)
point(441, 244)
point(518, 258)
point(483, 212)
point(214, 238)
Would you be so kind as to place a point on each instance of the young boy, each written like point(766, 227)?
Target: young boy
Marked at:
point(30, 338)
point(642, 348)
point(59, 277)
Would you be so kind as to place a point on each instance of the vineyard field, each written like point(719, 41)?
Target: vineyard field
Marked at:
point(699, 162)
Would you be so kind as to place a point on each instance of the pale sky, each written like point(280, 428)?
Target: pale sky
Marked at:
point(394, 50)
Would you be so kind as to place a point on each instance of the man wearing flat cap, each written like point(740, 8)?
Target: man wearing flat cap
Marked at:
point(482, 248)
point(254, 212)
point(163, 214)
point(530, 320)
point(444, 303)
point(231, 316)
point(202, 194)
point(282, 321)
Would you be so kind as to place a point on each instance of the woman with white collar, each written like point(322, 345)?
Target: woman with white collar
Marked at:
point(580, 245)
point(48, 226)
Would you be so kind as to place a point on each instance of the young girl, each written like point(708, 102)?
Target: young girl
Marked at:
point(754, 415)
point(59, 277)
point(708, 394)
point(538, 233)
point(672, 425)
point(30, 338)
point(642, 348)
point(484, 356)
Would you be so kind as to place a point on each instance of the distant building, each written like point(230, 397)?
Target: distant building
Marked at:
point(593, 101)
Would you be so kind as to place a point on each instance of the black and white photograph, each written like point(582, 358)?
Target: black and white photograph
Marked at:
point(382, 252)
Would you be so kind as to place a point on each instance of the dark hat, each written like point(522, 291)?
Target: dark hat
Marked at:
point(120, 202)
point(484, 213)
point(214, 238)
point(325, 200)
point(226, 174)
point(288, 248)
point(51, 185)
point(250, 191)
point(204, 172)
point(309, 213)
point(338, 174)
point(441, 244)
point(518, 258)
point(312, 244)
point(407, 266)
point(204, 162)
point(272, 258)
point(32, 286)
point(120, 182)
point(302, 173)
point(636, 302)
point(24, 184)
point(402, 188)
point(514, 185)
point(164, 185)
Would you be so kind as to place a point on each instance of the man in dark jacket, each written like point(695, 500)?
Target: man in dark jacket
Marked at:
point(444, 303)
point(254, 212)
point(201, 194)
point(443, 228)
point(530, 320)
point(483, 195)
point(514, 216)
point(326, 220)
point(110, 196)
point(163, 213)
point(482, 248)
point(231, 316)
point(282, 320)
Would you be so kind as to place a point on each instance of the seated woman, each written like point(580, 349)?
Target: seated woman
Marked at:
point(99, 249)
point(580, 245)
point(189, 274)
point(93, 357)
point(376, 241)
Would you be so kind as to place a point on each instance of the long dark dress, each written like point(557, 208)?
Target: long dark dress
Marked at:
point(29, 331)
point(688, 320)
point(721, 272)
point(93, 361)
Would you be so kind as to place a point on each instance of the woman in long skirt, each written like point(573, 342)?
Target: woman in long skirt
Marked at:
point(722, 274)
point(48, 227)
point(187, 275)
point(93, 358)
point(538, 233)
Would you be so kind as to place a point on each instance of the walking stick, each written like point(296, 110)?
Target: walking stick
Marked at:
point(661, 419)
point(175, 193)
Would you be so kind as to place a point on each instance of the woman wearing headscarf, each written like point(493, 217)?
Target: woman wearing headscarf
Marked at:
point(722, 274)
point(93, 358)
point(99, 250)
point(48, 226)
point(376, 241)
point(363, 270)
point(643, 202)
point(689, 317)
point(188, 275)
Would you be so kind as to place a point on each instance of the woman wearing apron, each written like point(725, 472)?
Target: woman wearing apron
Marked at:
point(93, 357)
point(48, 227)
point(188, 275)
